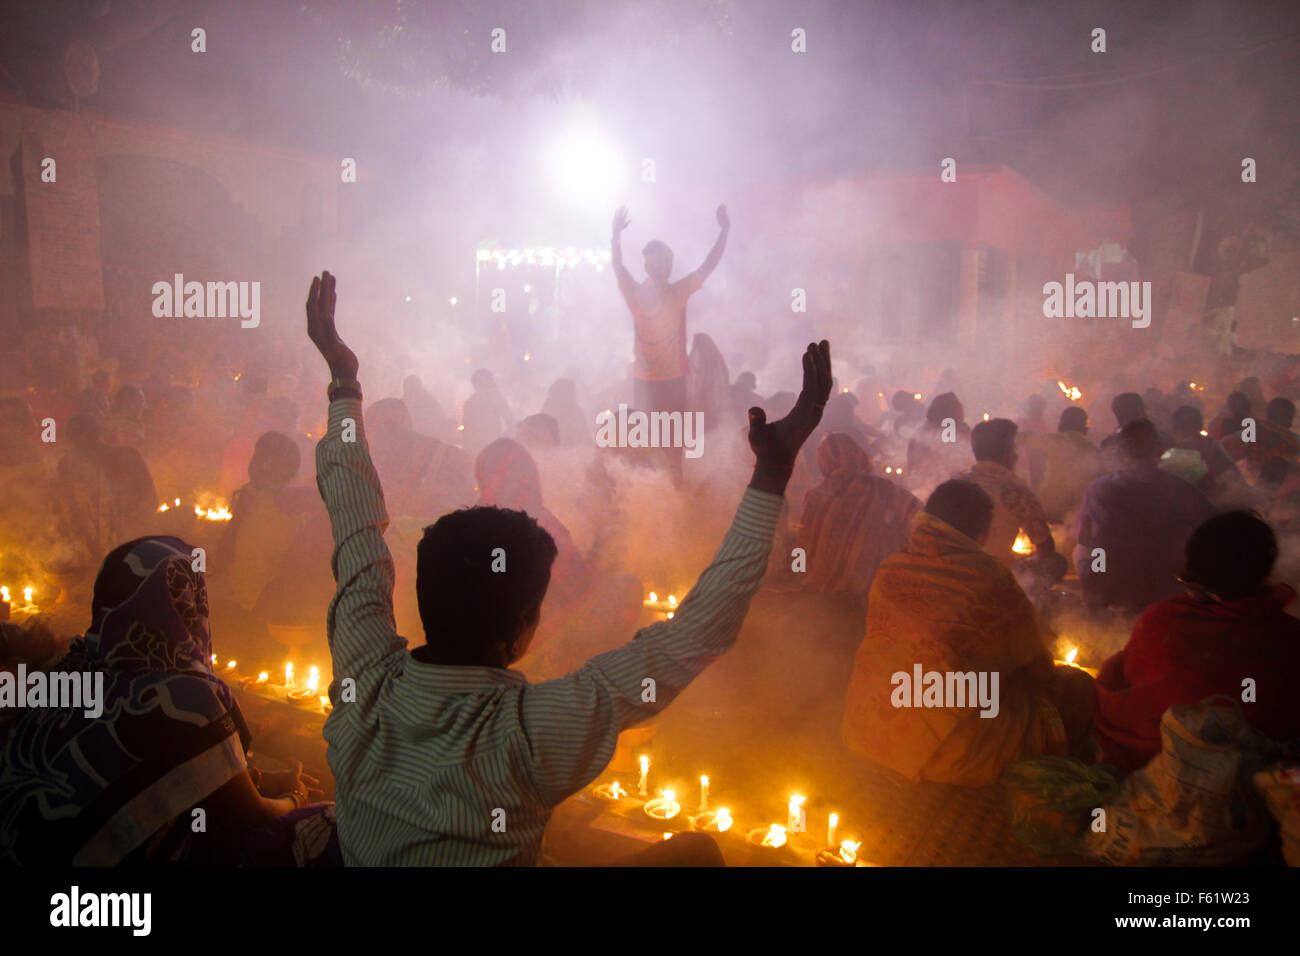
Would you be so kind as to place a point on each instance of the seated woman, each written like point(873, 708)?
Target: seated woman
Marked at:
point(852, 521)
point(1230, 626)
point(121, 788)
point(944, 605)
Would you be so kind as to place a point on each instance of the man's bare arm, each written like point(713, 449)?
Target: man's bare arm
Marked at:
point(715, 254)
point(621, 222)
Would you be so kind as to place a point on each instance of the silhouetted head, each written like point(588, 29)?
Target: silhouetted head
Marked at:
point(944, 406)
point(389, 414)
point(1073, 419)
point(1139, 443)
point(1128, 407)
point(995, 440)
point(128, 402)
point(1035, 406)
point(1281, 412)
point(84, 432)
point(563, 392)
point(483, 380)
point(275, 461)
point(1231, 555)
point(963, 505)
point(411, 385)
point(539, 432)
point(658, 260)
point(1186, 422)
point(480, 577)
point(1238, 406)
point(746, 381)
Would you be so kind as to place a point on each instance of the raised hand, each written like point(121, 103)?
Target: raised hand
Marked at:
point(320, 328)
point(723, 219)
point(777, 444)
point(621, 221)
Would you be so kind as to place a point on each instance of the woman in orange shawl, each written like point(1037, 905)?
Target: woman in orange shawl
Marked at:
point(945, 605)
point(852, 521)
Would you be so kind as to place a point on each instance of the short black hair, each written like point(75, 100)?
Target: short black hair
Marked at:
point(1128, 407)
point(963, 505)
point(465, 605)
point(1073, 419)
point(1231, 555)
point(1281, 411)
point(1239, 403)
point(1139, 441)
point(947, 405)
point(1186, 421)
point(994, 439)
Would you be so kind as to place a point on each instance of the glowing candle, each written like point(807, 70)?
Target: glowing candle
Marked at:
point(723, 820)
point(230, 665)
point(27, 595)
point(849, 851)
point(4, 593)
point(830, 828)
point(645, 769)
point(796, 817)
point(214, 660)
point(313, 679)
point(704, 792)
point(263, 677)
point(288, 674)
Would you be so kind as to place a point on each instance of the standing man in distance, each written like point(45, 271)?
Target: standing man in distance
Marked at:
point(659, 312)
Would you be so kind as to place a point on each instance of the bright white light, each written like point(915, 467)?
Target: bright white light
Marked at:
point(528, 288)
point(453, 300)
point(408, 298)
point(588, 168)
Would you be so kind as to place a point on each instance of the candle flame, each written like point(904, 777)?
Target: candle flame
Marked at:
point(1022, 544)
point(670, 615)
point(796, 802)
point(313, 679)
point(163, 507)
point(723, 820)
point(213, 659)
point(917, 396)
point(645, 763)
point(288, 674)
point(230, 665)
point(4, 593)
point(849, 851)
point(652, 598)
point(672, 601)
point(1204, 433)
point(263, 677)
point(1070, 391)
point(27, 595)
point(616, 791)
point(775, 836)
point(986, 416)
point(1069, 658)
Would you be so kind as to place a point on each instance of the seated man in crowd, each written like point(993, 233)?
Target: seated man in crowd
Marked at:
point(1273, 438)
point(1221, 474)
point(1230, 626)
point(1015, 507)
point(1069, 462)
point(945, 605)
point(1133, 525)
point(443, 754)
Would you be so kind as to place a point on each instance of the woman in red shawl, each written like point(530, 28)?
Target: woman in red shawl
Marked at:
point(1230, 627)
point(852, 521)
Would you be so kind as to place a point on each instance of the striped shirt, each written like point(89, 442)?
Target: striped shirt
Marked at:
point(461, 766)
